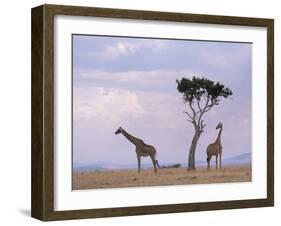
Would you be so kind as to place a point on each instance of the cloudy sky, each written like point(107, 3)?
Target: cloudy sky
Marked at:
point(131, 82)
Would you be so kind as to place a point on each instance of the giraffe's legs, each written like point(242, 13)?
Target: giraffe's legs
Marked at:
point(154, 163)
point(139, 162)
point(216, 161)
point(220, 160)
point(208, 161)
point(157, 163)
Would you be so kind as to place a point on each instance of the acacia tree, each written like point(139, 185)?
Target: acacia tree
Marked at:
point(200, 95)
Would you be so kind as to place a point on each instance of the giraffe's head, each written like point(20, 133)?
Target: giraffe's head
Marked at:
point(219, 126)
point(119, 130)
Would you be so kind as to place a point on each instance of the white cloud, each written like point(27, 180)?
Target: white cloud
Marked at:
point(113, 107)
point(108, 105)
point(122, 48)
point(134, 76)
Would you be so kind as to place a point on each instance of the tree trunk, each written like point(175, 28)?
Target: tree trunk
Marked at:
point(191, 155)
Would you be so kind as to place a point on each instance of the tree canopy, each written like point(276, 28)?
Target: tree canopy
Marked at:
point(196, 88)
point(201, 94)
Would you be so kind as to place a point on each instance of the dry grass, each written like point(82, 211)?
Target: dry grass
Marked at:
point(168, 176)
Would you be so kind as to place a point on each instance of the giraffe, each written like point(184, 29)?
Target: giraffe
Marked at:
point(215, 148)
point(142, 149)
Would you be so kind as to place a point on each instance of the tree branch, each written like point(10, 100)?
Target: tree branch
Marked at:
point(203, 111)
point(198, 123)
point(191, 107)
point(189, 115)
point(192, 119)
point(202, 126)
point(206, 104)
point(198, 104)
point(208, 107)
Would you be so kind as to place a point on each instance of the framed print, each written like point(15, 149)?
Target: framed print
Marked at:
point(142, 112)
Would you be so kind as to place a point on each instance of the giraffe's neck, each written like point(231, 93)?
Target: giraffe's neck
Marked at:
point(218, 140)
point(131, 138)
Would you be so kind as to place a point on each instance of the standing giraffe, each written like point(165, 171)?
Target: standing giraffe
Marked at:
point(215, 148)
point(142, 149)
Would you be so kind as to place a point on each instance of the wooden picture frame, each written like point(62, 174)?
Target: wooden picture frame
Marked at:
point(42, 203)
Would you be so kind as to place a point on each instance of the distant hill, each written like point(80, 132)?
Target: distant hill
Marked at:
point(240, 159)
point(243, 159)
point(100, 166)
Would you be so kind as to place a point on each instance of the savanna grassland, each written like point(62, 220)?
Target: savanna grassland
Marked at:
point(164, 176)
